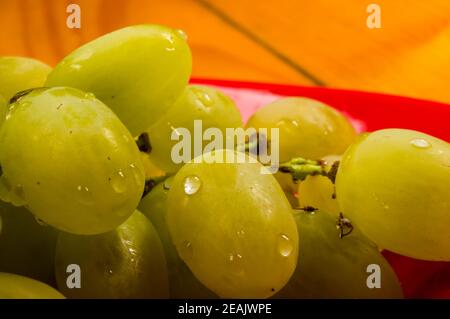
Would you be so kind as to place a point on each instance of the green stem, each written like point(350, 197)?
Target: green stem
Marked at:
point(300, 168)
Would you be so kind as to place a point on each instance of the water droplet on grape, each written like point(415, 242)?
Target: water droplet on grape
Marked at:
point(84, 195)
point(170, 49)
point(235, 263)
point(139, 177)
point(192, 184)
point(126, 138)
point(89, 95)
point(119, 182)
point(186, 250)
point(167, 184)
point(285, 245)
point(203, 98)
point(182, 34)
point(110, 272)
point(420, 143)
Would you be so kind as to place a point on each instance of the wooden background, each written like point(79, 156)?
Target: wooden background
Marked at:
point(320, 42)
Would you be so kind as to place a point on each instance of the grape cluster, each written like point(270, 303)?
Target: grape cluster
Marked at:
point(93, 204)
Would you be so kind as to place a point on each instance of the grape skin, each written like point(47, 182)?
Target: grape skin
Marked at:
point(307, 128)
point(18, 287)
point(128, 262)
point(233, 227)
point(333, 267)
point(67, 157)
point(394, 185)
point(183, 283)
point(26, 248)
point(20, 74)
point(138, 71)
point(197, 102)
point(3, 109)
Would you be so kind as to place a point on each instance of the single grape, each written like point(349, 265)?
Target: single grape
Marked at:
point(206, 104)
point(138, 71)
point(183, 284)
point(127, 262)
point(317, 191)
point(232, 225)
point(27, 248)
point(334, 267)
point(67, 157)
point(18, 287)
point(394, 185)
point(307, 128)
point(19, 74)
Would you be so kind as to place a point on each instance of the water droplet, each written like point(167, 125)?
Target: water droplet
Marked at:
point(169, 37)
point(240, 233)
point(285, 246)
point(119, 182)
point(192, 185)
point(420, 143)
point(170, 49)
point(235, 263)
point(139, 177)
point(89, 95)
point(186, 250)
point(84, 195)
point(182, 34)
point(167, 184)
point(203, 98)
point(110, 272)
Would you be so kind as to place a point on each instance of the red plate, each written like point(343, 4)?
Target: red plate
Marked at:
point(369, 112)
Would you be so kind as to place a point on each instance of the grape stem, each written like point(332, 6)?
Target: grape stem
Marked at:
point(151, 183)
point(300, 168)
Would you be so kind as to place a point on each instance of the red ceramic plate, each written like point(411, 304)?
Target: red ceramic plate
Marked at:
point(368, 112)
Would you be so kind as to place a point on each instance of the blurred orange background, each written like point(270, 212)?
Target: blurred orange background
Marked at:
point(320, 42)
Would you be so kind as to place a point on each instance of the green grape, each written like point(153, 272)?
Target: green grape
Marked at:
point(27, 248)
point(334, 267)
point(19, 74)
point(394, 185)
point(67, 157)
point(138, 71)
point(317, 191)
point(18, 287)
point(183, 284)
point(3, 109)
point(307, 128)
point(203, 103)
point(127, 262)
point(232, 225)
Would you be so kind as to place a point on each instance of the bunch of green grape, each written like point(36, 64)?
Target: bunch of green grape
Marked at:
point(105, 193)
